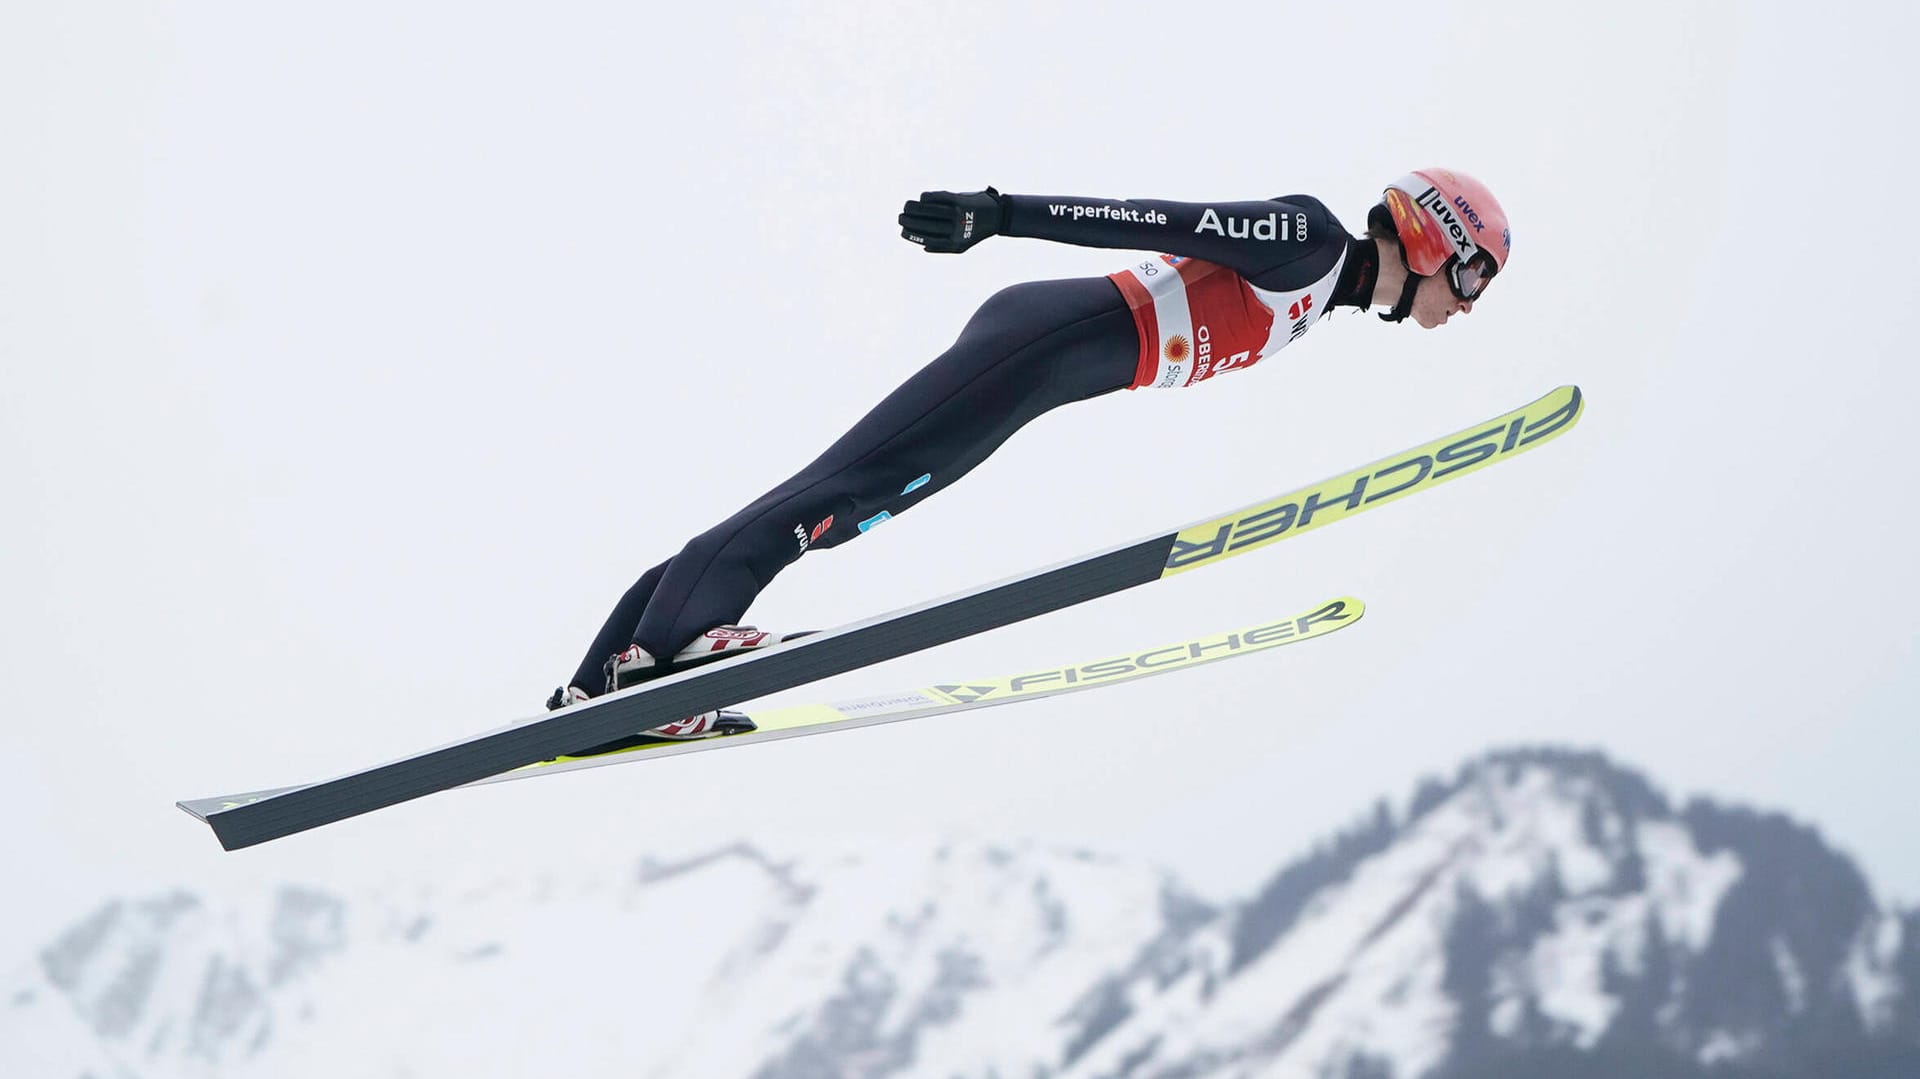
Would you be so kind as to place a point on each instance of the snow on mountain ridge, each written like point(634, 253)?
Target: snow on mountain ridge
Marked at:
point(681, 965)
point(1544, 900)
point(1540, 911)
point(890, 970)
point(1872, 973)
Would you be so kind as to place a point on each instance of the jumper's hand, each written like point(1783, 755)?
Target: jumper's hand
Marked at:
point(945, 222)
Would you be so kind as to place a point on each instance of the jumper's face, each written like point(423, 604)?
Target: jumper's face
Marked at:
point(1434, 302)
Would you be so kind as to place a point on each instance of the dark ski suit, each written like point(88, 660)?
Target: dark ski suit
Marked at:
point(1241, 281)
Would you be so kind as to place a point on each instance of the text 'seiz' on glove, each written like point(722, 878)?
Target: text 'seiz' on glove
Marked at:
point(947, 222)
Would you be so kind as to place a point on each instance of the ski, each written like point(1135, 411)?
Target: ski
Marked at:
point(774, 724)
point(898, 633)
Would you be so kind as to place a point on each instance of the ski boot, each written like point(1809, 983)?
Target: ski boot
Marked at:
point(704, 725)
point(566, 697)
point(635, 665)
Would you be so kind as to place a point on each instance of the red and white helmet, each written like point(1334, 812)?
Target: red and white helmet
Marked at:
point(1448, 222)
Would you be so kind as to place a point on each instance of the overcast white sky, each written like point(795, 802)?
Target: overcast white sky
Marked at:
point(356, 357)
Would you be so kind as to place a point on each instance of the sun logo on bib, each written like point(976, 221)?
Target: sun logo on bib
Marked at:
point(1176, 348)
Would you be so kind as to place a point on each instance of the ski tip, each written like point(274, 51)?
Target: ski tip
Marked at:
point(1331, 615)
point(1563, 408)
point(1576, 397)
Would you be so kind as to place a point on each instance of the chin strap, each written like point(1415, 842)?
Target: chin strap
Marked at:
point(1405, 304)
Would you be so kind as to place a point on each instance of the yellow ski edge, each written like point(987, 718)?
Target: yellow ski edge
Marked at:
point(776, 723)
point(1383, 481)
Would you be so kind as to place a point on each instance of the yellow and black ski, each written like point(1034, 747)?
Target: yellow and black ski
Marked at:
point(766, 725)
point(244, 820)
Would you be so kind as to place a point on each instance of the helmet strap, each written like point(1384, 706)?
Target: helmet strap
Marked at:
point(1405, 305)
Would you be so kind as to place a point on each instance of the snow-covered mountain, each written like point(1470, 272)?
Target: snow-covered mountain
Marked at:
point(1541, 913)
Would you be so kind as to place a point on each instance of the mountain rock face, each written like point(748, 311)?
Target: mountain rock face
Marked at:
point(1541, 913)
point(1544, 913)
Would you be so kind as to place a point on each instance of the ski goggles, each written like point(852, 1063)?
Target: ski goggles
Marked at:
point(1469, 279)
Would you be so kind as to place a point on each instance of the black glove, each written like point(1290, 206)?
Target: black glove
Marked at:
point(946, 222)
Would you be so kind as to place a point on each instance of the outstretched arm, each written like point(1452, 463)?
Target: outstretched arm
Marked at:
point(1249, 237)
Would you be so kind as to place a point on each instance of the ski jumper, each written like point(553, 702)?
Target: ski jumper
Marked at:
point(1240, 281)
